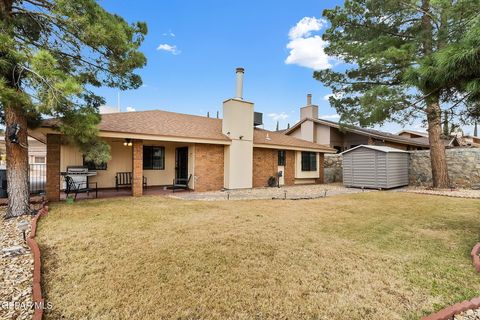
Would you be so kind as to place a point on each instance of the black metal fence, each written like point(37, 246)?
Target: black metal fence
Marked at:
point(37, 178)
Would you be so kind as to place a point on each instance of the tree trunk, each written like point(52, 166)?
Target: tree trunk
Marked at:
point(434, 112)
point(17, 165)
point(437, 149)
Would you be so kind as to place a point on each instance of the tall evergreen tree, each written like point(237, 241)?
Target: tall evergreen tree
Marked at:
point(405, 60)
point(446, 129)
point(278, 126)
point(52, 53)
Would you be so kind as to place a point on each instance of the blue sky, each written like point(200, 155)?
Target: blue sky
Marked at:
point(193, 48)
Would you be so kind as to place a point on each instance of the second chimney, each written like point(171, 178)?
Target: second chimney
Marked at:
point(309, 99)
point(239, 84)
point(310, 110)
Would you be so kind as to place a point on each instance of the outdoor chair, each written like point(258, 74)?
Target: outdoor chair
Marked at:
point(181, 183)
point(79, 187)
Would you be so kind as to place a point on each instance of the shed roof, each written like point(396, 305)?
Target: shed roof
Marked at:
point(377, 148)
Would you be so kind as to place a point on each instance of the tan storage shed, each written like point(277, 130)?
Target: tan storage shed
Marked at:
point(376, 167)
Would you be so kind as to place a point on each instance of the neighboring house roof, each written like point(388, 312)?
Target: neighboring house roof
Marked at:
point(378, 148)
point(473, 138)
point(271, 138)
point(366, 132)
point(418, 133)
point(178, 125)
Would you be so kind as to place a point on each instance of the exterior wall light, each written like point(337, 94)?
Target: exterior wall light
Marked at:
point(127, 143)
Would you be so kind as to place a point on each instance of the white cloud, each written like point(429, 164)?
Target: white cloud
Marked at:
point(306, 49)
point(169, 34)
point(169, 48)
point(130, 109)
point(335, 95)
point(330, 116)
point(327, 96)
point(278, 116)
point(304, 27)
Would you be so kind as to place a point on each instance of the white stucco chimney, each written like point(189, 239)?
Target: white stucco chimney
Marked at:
point(239, 85)
point(237, 125)
point(310, 110)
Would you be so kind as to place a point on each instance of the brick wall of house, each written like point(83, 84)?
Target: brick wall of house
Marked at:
point(53, 167)
point(265, 165)
point(137, 179)
point(290, 168)
point(209, 167)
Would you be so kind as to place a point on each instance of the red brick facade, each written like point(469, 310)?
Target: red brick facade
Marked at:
point(137, 168)
point(209, 167)
point(53, 167)
point(265, 165)
point(289, 173)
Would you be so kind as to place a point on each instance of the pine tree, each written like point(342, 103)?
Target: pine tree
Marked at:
point(405, 60)
point(52, 52)
point(446, 129)
point(278, 126)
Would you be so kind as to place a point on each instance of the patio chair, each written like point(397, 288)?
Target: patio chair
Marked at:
point(79, 187)
point(181, 183)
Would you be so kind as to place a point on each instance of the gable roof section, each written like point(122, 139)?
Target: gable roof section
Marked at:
point(420, 142)
point(159, 123)
point(417, 133)
point(265, 138)
point(178, 125)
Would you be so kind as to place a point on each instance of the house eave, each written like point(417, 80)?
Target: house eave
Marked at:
point(272, 146)
point(40, 134)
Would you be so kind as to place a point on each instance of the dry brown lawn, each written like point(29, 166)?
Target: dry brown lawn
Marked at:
point(380, 255)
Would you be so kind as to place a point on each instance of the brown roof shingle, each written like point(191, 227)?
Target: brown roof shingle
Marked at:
point(273, 138)
point(178, 125)
point(160, 123)
point(164, 123)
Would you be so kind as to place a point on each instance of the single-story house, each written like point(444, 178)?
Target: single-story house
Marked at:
point(471, 141)
point(37, 151)
point(228, 153)
point(413, 134)
point(331, 133)
point(449, 142)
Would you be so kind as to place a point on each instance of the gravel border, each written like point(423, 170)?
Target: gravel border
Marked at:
point(16, 272)
point(456, 193)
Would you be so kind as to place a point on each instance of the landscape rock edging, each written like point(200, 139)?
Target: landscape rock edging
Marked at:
point(38, 300)
point(448, 312)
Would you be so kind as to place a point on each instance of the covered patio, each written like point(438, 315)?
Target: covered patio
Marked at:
point(126, 192)
point(136, 167)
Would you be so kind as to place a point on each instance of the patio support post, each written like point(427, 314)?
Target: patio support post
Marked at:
point(137, 168)
point(53, 167)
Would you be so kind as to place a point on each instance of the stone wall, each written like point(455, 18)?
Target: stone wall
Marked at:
point(332, 168)
point(463, 168)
